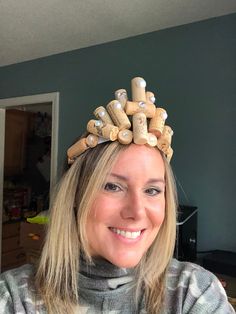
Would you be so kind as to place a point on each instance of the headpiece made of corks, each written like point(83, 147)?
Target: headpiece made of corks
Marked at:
point(138, 121)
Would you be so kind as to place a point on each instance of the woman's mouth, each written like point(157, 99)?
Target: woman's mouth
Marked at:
point(127, 234)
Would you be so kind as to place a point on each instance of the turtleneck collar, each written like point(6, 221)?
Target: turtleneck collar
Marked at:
point(103, 275)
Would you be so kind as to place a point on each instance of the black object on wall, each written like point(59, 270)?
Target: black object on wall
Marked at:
point(186, 239)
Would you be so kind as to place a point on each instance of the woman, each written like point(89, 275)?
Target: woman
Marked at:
point(111, 234)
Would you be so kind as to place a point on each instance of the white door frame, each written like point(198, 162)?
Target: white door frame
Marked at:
point(7, 103)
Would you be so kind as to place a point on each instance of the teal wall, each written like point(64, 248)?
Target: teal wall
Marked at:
point(192, 70)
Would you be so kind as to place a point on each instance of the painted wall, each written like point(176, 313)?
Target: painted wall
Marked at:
point(192, 70)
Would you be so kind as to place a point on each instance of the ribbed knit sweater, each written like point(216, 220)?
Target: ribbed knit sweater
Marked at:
point(105, 288)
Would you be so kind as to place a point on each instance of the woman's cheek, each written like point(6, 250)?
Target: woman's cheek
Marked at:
point(157, 214)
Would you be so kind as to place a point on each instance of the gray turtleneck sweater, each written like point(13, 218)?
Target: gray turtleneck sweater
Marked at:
point(104, 288)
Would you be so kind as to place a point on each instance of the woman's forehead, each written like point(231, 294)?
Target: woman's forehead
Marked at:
point(138, 158)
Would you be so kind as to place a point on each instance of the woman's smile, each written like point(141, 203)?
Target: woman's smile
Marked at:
point(124, 235)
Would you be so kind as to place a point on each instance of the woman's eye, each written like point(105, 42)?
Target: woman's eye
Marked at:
point(153, 191)
point(112, 187)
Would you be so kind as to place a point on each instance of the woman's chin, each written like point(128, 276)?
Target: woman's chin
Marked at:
point(125, 262)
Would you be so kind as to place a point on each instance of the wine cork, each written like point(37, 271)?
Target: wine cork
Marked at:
point(134, 107)
point(125, 136)
point(101, 114)
point(138, 85)
point(121, 96)
point(92, 140)
point(169, 154)
point(164, 141)
point(151, 140)
point(95, 127)
point(110, 132)
point(140, 133)
point(157, 123)
point(150, 98)
point(118, 115)
point(163, 144)
point(167, 133)
point(77, 149)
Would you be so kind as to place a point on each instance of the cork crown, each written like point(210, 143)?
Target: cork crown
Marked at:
point(138, 121)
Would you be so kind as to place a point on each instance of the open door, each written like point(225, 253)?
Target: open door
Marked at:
point(30, 135)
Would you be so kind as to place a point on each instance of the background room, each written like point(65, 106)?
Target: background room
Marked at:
point(79, 53)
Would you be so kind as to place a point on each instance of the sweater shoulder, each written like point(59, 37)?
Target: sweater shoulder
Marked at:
point(193, 289)
point(187, 269)
point(187, 276)
point(26, 269)
point(16, 277)
point(16, 290)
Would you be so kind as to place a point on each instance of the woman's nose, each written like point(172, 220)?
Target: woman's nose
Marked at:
point(133, 207)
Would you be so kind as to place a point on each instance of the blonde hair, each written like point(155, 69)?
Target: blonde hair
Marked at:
point(57, 274)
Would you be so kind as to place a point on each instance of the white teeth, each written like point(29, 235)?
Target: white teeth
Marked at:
point(123, 233)
point(127, 234)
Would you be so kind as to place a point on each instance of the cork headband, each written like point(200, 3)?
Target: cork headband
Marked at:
point(138, 121)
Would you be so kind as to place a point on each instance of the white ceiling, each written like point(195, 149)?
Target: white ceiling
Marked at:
point(30, 29)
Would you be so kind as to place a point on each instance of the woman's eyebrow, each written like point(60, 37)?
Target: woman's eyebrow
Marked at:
point(124, 178)
point(118, 176)
point(156, 180)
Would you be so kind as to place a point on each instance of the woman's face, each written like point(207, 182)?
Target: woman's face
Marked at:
point(128, 211)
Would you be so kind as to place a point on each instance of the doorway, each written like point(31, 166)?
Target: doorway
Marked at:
point(37, 109)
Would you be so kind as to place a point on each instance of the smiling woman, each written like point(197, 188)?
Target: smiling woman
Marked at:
point(130, 208)
point(111, 233)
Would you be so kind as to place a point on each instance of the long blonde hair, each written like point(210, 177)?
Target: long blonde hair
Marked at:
point(56, 278)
